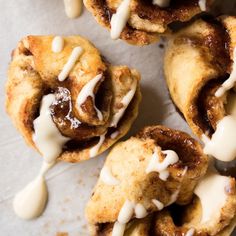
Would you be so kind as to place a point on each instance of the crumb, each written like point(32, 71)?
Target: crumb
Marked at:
point(66, 200)
point(62, 234)
point(161, 46)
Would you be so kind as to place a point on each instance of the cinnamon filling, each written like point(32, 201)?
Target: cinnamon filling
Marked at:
point(181, 143)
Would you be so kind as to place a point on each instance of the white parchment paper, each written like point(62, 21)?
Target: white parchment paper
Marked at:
point(70, 185)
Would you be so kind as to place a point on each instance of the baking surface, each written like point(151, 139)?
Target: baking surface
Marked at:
point(70, 185)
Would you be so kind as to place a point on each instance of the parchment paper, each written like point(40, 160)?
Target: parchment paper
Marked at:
point(70, 185)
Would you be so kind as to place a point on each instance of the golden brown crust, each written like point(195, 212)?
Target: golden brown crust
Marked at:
point(147, 21)
point(33, 73)
point(198, 59)
point(128, 162)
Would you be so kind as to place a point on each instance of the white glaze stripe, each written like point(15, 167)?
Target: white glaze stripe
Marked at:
point(125, 101)
point(94, 150)
point(88, 91)
point(57, 44)
point(73, 8)
point(47, 137)
point(211, 192)
point(119, 19)
point(107, 177)
point(202, 5)
point(76, 53)
point(155, 165)
point(222, 143)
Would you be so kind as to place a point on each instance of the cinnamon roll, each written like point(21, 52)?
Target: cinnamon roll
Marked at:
point(212, 211)
point(200, 71)
point(154, 169)
point(141, 22)
point(89, 103)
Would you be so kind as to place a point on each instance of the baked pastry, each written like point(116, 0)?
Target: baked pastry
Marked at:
point(200, 72)
point(141, 22)
point(157, 167)
point(94, 102)
point(212, 211)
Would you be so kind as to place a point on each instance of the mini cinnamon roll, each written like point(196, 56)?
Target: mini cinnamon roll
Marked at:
point(200, 71)
point(141, 22)
point(212, 211)
point(157, 167)
point(89, 103)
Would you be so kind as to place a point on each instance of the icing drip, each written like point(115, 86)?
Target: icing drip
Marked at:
point(31, 201)
point(222, 144)
point(125, 215)
point(115, 134)
point(76, 53)
point(190, 232)
point(118, 229)
point(57, 44)
point(73, 8)
point(155, 165)
point(202, 5)
point(158, 204)
point(125, 101)
point(94, 150)
point(140, 211)
point(211, 192)
point(47, 137)
point(161, 3)
point(119, 19)
point(229, 83)
point(126, 212)
point(87, 91)
point(107, 177)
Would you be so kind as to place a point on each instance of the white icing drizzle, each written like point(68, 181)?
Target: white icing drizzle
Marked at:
point(222, 143)
point(31, 201)
point(119, 19)
point(125, 101)
point(76, 53)
point(94, 150)
point(126, 212)
point(118, 229)
point(229, 83)
point(140, 211)
point(158, 204)
point(190, 232)
point(115, 134)
point(87, 91)
point(155, 165)
point(202, 5)
point(73, 8)
point(57, 44)
point(211, 192)
point(107, 177)
point(161, 3)
point(47, 137)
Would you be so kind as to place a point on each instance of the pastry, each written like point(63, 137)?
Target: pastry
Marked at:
point(212, 211)
point(154, 169)
point(200, 72)
point(90, 103)
point(142, 22)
